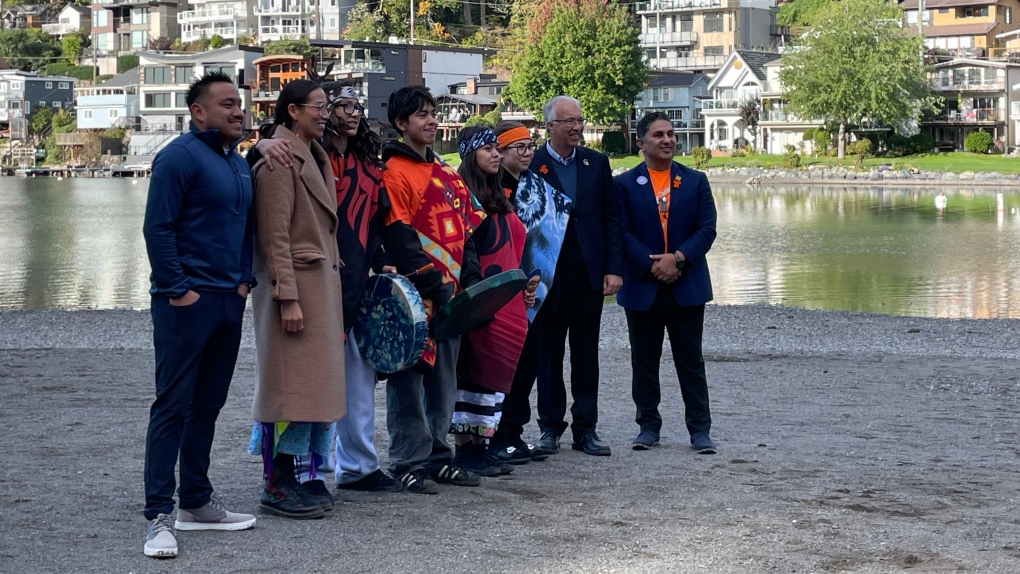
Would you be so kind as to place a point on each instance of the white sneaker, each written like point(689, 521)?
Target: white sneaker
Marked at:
point(160, 538)
point(212, 516)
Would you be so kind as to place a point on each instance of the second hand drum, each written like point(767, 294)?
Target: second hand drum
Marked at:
point(477, 305)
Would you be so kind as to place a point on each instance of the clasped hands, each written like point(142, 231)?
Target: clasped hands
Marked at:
point(664, 267)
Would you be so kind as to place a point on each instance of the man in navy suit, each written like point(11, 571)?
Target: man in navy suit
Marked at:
point(589, 268)
point(668, 227)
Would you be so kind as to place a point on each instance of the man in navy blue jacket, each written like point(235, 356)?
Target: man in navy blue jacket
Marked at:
point(668, 227)
point(198, 234)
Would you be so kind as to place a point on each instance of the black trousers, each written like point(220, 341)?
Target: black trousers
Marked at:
point(196, 350)
point(685, 326)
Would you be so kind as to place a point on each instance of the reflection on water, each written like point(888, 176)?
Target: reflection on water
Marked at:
point(77, 244)
point(876, 249)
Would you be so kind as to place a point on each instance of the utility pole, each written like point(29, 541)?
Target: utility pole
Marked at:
point(658, 33)
point(412, 22)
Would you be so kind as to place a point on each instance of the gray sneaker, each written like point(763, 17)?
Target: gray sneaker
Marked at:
point(213, 516)
point(160, 538)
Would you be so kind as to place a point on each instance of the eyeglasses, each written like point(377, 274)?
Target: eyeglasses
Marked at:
point(523, 150)
point(320, 107)
point(571, 122)
point(350, 109)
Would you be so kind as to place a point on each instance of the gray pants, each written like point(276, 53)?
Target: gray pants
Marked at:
point(419, 409)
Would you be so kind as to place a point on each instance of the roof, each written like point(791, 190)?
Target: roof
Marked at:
point(757, 60)
point(955, 29)
point(383, 45)
point(662, 79)
point(279, 58)
point(475, 99)
point(774, 63)
point(128, 78)
point(28, 9)
point(930, 4)
point(83, 10)
point(207, 56)
point(970, 62)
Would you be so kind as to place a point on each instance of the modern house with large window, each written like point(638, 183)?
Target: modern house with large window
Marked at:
point(701, 34)
point(126, 26)
point(967, 28)
point(163, 84)
point(975, 99)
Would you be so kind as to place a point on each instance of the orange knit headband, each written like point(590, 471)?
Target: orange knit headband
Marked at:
point(511, 135)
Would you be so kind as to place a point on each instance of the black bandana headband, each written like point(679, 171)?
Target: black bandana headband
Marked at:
point(476, 141)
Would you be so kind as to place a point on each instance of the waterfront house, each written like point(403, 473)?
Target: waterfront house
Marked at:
point(163, 83)
point(777, 127)
point(968, 28)
point(739, 79)
point(675, 94)
point(975, 99)
point(207, 18)
point(71, 19)
point(700, 34)
point(113, 103)
point(291, 19)
point(272, 73)
point(22, 94)
point(25, 16)
point(122, 27)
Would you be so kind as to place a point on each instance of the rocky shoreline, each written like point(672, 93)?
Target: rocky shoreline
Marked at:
point(849, 176)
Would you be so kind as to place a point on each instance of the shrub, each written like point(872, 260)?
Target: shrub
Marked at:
point(897, 144)
point(126, 62)
point(216, 41)
point(921, 143)
point(614, 143)
point(82, 72)
point(594, 145)
point(978, 142)
point(58, 69)
point(859, 149)
point(739, 152)
point(791, 159)
point(809, 134)
point(701, 156)
point(821, 140)
point(493, 117)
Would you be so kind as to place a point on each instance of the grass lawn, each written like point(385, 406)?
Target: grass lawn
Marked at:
point(953, 161)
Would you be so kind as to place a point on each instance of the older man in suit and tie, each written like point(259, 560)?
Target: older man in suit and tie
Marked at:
point(668, 226)
point(589, 268)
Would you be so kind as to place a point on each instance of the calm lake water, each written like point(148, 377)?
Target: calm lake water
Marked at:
point(77, 244)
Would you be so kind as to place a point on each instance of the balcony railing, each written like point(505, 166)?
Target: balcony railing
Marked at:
point(355, 66)
point(993, 84)
point(59, 29)
point(720, 104)
point(972, 116)
point(281, 32)
point(296, 8)
point(668, 38)
point(208, 15)
point(654, 5)
point(687, 63)
point(771, 88)
point(196, 33)
point(259, 95)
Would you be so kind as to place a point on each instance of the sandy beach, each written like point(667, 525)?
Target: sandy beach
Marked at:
point(848, 443)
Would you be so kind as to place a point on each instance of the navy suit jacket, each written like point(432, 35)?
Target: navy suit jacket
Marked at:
point(691, 230)
point(595, 215)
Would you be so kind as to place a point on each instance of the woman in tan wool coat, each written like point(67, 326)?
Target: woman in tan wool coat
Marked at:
point(298, 311)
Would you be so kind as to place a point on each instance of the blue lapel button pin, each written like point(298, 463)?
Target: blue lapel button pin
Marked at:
point(585, 162)
point(641, 180)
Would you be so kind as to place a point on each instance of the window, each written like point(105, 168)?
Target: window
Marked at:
point(228, 71)
point(139, 40)
point(103, 41)
point(713, 22)
point(140, 16)
point(715, 51)
point(975, 12)
point(100, 18)
point(686, 23)
point(57, 105)
point(157, 100)
point(42, 104)
point(114, 114)
point(86, 114)
point(157, 75)
point(180, 100)
point(183, 74)
point(660, 95)
point(943, 10)
point(1009, 15)
point(49, 85)
point(15, 85)
point(332, 22)
point(63, 85)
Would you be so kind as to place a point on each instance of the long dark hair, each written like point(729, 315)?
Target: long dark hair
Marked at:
point(483, 186)
point(295, 92)
point(365, 144)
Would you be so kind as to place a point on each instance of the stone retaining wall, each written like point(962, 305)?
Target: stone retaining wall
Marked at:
point(758, 176)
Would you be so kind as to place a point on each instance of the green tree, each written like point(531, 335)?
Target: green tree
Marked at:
point(590, 52)
point(291, 47)
point(857, 64)
point(801, 12)
point(40, 120)
point(28, 49)
point(364, 24)
point(72, 45)
point(976, 142)
point(217, 41)
point(478, 121)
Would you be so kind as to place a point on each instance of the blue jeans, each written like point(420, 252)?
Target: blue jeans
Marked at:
point(196, 349)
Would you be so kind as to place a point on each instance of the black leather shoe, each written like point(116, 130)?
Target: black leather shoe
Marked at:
point(592, 444)
point(549, 443)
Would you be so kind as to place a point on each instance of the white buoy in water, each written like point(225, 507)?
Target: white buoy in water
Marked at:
point(60, 178)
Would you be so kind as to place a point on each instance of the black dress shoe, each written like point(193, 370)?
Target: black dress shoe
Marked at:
point(592, 444)
point(549, 443)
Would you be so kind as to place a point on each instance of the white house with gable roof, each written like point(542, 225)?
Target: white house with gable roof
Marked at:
point(740, 78)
